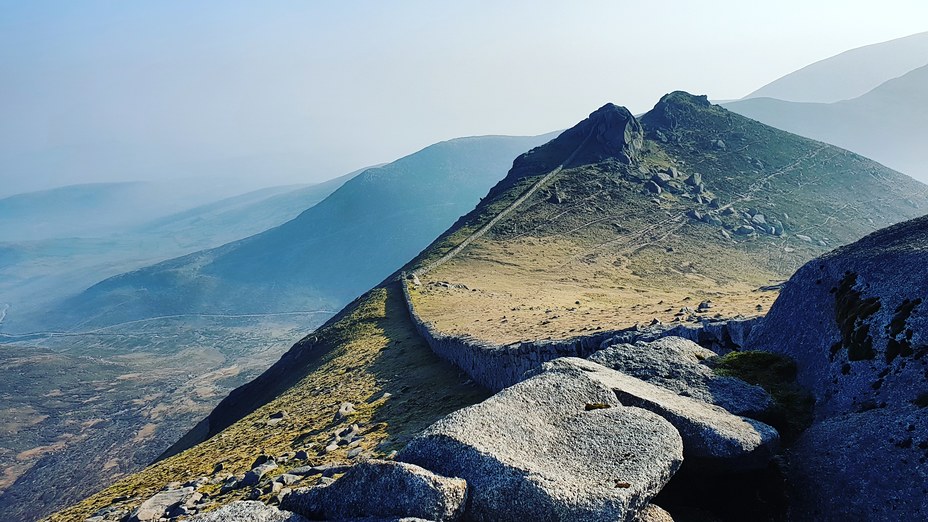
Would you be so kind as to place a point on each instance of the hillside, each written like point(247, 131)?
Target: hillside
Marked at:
point(615, 222)
point(324, 257)
point(240, 216)
point(175, 364)
point(851, 73)
point(37, 273)
point(741, 206)
point(77, 210)
point(886, 124)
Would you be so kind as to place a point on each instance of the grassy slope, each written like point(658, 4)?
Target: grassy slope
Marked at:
point(370, 350)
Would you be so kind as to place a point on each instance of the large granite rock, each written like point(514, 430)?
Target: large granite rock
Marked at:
point(556, 446)
point(862, 466)
point(248, 511)
point(675, 363)
point(855, 322)
point(712, 437)
point(382, 489)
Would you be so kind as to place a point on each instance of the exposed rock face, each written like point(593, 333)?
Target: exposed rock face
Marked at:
point(610, 132)
point(382, 489)
point(557, 446)
point(674, 363)
point(862, 466)
point(248, 511)
point(712, 437)
point(855, 323)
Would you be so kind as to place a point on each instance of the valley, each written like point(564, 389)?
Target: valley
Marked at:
point(114, 398)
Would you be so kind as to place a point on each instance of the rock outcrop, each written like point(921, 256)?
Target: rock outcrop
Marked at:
point(382, 489)
point(162, 503)
point(855, 323)
point(675, 363)
point(557, 446)
point(712, 437)
point(248, 511)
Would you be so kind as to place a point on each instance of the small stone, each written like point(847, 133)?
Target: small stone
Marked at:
point(257, 473)
point(344, 411)
point(288, 479)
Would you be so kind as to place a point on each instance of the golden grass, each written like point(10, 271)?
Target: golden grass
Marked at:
point(529, 288)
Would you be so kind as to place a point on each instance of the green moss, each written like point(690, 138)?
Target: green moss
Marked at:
point(851, 314)
point(792, 412)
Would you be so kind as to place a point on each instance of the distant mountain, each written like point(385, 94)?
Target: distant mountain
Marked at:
point(324, 257)
point(76, 210)
point(888, 124)
point(39, 271)
point(851, 73)
point(240, 216)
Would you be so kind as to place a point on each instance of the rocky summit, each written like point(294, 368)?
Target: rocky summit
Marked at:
point(585, 345)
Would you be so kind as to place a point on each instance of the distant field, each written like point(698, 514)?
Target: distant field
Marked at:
point(116, 398)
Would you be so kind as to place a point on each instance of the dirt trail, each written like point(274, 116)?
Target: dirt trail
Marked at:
point(480, 232)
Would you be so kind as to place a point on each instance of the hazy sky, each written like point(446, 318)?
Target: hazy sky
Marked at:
point(302, 91)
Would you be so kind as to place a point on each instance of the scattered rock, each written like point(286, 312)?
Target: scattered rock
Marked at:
point(695, 180)
point(382, 489)
point(288, 479)
point(533, 452)
point(248, 511)
point(744, 230)
point(805, 238)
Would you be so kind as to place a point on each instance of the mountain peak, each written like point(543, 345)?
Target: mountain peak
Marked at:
point(680, 109)
point(609, 132)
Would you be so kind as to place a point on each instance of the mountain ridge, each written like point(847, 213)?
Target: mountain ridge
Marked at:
point(849, 74)
point(636, 229)
point(886, 123)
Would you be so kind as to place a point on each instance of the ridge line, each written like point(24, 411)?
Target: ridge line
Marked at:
point(477, 234)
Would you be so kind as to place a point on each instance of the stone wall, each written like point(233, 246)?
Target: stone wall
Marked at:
point(500, 366)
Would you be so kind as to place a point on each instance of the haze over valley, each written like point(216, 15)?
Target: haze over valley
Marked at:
point(256, 259)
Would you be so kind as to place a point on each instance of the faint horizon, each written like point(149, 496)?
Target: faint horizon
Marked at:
point(296, 92)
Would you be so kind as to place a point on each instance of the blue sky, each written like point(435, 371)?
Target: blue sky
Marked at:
point(302, 91)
